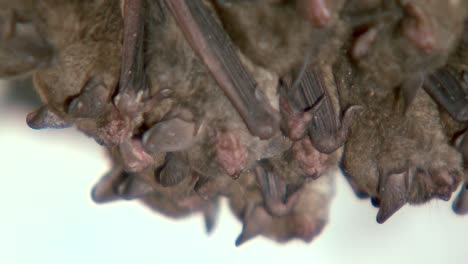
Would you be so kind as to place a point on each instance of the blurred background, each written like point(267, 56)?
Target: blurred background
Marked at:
point(47, 215)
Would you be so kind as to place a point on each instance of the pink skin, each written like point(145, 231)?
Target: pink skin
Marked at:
point(134, 158)
point(296, 123)
point(309, 158)
point(417, 28)
point(316, 12)
point(230, 153)
point(363, 43)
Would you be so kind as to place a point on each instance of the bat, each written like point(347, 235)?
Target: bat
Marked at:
point(215, 49)
point(256, 101)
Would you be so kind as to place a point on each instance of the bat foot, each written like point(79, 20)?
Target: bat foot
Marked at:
point(106, 189)
point(210, 215)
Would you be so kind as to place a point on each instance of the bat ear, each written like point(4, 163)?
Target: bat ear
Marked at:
point(44, 117)
point(393, 195)
point(169, 135)
point(460, 206)
point(106, 189)
point(447, 90)
point(174, 171)
point(254, 220)
point(210, 215)
point(134, 187)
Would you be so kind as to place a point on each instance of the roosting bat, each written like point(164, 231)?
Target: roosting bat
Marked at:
point(255, 101)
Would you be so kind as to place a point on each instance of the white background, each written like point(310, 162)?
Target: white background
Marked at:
point(47, 216)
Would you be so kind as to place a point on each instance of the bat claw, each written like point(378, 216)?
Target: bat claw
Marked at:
point(44, 117)
point(393, 195)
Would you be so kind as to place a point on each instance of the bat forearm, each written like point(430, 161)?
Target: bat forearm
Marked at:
point(216, 50)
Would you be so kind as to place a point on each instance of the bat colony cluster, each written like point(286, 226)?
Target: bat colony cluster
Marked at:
point(258, 101)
